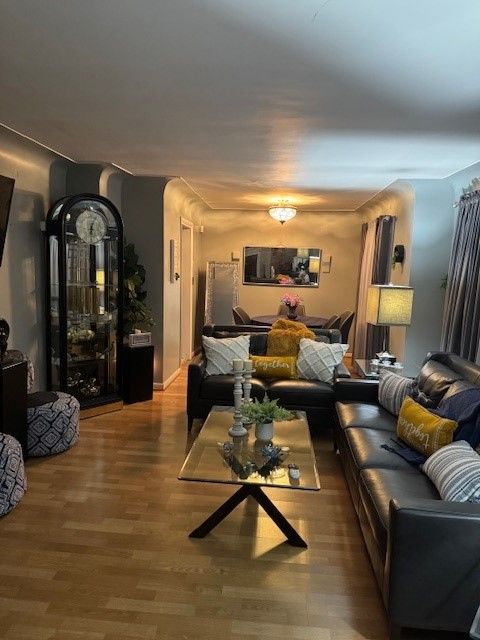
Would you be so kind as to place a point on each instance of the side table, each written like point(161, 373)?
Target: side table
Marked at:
point(13, 401)
point(364, 369)
point(137, 374)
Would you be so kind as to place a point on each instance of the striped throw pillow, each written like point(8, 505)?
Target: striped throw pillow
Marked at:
point(455, 471)
point(392, 390)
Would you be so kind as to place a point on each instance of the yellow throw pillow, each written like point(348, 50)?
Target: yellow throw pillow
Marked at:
point(422, 430)
point(274, 366)
point(284, 337)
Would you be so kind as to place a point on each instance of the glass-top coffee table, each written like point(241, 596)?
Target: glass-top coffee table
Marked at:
point(247, 466)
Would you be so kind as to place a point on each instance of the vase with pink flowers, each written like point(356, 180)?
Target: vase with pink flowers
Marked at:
point(291, 301)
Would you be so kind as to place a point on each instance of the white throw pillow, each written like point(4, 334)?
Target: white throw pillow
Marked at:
point(455, 471)
point(221, 352)
point(317, 360)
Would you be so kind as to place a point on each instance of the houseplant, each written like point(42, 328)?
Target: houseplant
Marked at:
point(291, 300)
point(263, 414)
point(137, 315)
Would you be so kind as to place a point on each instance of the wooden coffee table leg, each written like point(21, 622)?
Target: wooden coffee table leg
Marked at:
point(267, 505)
point(221, 513)
point(282, 523)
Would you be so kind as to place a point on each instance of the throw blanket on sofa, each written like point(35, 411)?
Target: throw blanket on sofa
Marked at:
point(284, 337)
point(404, 451)
point(464, 408)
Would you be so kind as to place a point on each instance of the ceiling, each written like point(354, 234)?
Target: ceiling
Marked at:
point(322, 102)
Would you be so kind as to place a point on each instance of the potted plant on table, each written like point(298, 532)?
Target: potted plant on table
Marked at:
point(291, 301)
point(263, 414)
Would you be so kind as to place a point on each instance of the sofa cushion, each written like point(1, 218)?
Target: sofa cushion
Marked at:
point(258, 341)
point(432, 383)
point(284, 337)
point(280, 367)
point(221, 352)
point(366, 449)
point(309, 393)
point(221, 388)
point(392, 390)
point(422, 430)
point(455, 471)
point(318, 361)
point(379, 486)
point(365, 414)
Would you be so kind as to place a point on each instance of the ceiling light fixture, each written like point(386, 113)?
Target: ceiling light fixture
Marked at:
point(282, 212)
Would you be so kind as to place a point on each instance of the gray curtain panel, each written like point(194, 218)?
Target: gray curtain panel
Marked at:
point(461, 318)
point(382, 266)
point(365, 280)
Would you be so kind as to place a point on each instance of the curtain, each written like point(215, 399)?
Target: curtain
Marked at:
point(381, 270)
point(461, 319)
point(365, 279)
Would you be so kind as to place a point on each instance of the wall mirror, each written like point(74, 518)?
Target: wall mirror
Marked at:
point(281, 266)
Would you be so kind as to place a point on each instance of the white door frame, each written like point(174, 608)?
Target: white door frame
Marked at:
point(186, 280)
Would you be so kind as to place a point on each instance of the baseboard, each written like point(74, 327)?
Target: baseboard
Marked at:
point(91, 412)
point(161, 386)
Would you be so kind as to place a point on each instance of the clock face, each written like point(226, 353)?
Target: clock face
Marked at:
point(91, 226)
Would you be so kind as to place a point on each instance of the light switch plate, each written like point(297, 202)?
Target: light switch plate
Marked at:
point(326, 264)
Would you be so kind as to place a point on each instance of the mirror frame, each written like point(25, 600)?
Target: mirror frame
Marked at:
point(277, 284)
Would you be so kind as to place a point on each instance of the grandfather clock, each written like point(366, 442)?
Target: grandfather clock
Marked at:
point(84, 254)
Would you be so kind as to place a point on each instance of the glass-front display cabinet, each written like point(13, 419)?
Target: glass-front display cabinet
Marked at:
point(84, 265)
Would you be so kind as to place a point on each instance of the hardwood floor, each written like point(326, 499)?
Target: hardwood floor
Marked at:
point(98, 548)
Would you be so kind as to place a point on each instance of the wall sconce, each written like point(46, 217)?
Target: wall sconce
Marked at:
point(398, 254)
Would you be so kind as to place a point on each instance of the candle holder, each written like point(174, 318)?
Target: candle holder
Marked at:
point(247, 388)
point(237, 429)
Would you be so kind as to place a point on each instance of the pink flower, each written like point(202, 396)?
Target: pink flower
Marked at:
point(291, 299)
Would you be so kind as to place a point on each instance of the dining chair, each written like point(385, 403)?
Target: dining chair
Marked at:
point(241, 316)
point(345, 324)
point(283, 310)
point(332, 322)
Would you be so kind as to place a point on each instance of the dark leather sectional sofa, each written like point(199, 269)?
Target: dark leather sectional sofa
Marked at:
point(315, 397)
point(425, 552)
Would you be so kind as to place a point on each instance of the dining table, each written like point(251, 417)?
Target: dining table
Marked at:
point(312, 322)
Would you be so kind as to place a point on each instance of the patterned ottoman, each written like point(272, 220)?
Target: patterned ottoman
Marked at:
point(13, 482)
point(53, 419)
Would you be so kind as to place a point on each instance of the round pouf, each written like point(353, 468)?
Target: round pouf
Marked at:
point(13, 482)
point(53, 419)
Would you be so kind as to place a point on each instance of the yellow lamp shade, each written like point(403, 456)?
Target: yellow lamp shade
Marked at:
point(314, 264)
point(389, 305)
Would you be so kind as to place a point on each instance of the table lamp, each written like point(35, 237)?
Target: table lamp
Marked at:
point(389, 305)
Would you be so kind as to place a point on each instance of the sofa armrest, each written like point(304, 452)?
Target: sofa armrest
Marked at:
point(356, 389)
point(196, 373)
point(341, 371)
point(433, 564)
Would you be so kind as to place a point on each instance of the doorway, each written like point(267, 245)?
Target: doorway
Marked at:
point(186, 290)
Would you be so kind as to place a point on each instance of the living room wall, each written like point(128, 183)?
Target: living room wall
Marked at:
point(180, 202)
point(336, 234)
point(40, 179)
point(425, 226)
